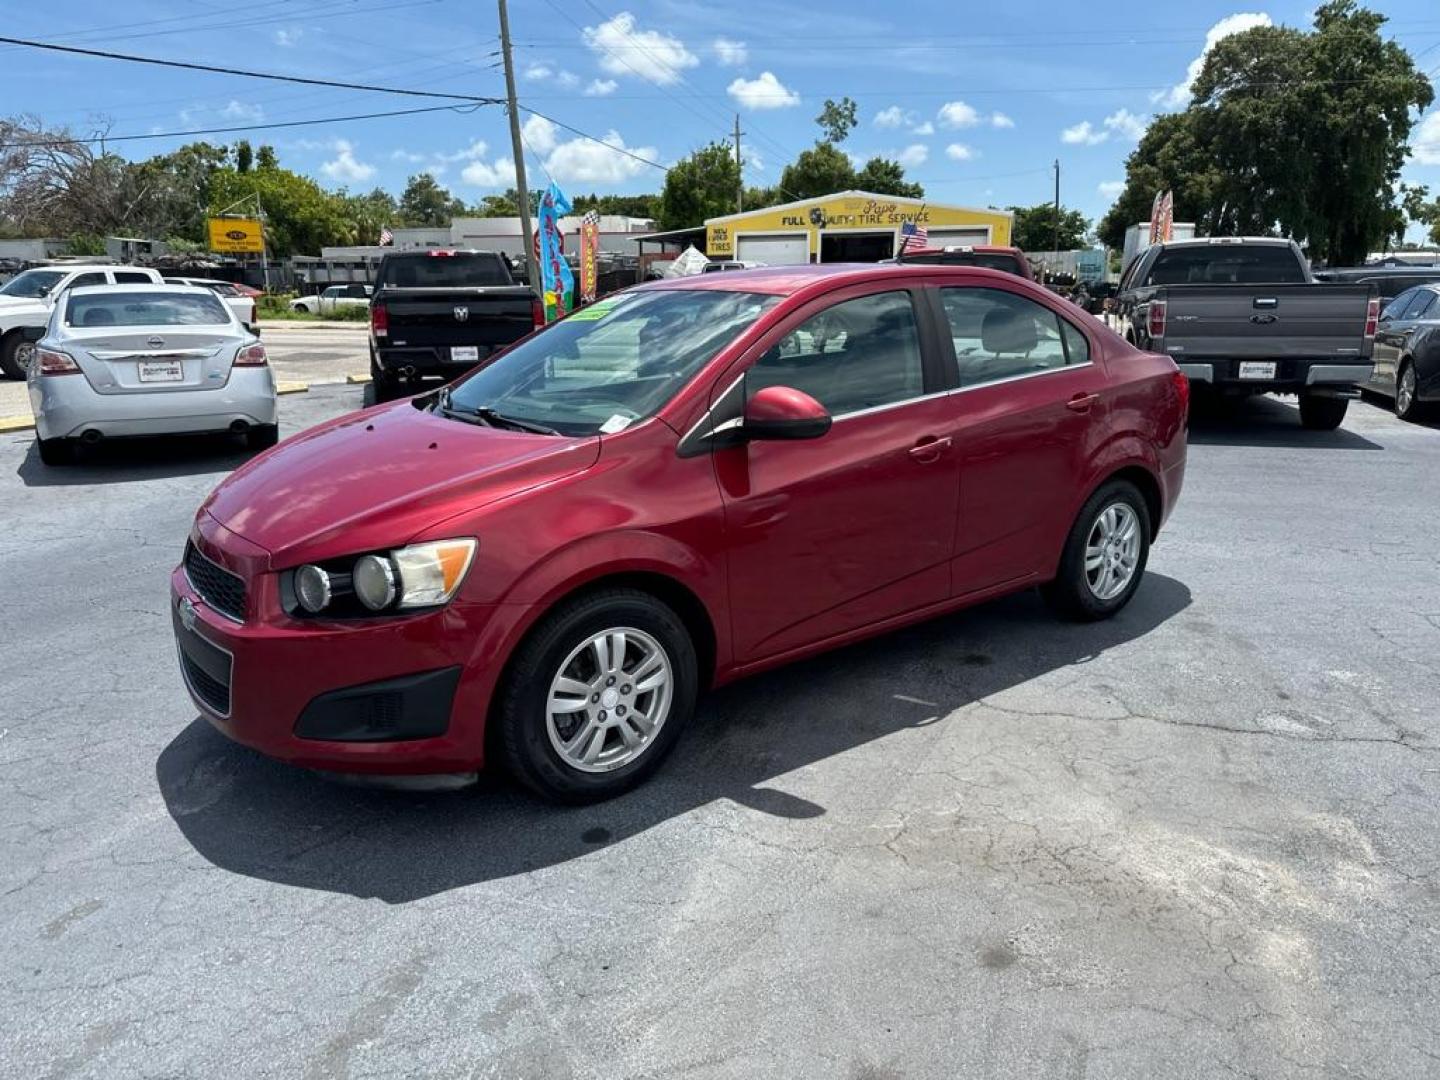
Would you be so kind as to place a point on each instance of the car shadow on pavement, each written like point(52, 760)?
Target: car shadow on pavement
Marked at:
point(253, 816)
point(125, 461)
point(1264, 421)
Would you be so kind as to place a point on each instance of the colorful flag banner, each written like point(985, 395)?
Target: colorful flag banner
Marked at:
point(913, 237)
point(555, 276)
point(1155, 217)
point(1166, 224)
point(589, 256)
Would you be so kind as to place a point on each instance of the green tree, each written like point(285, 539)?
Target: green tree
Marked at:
point(371, 213)
point(1171, 157)
point(837, 119)
point(1034, 228)
point(885, 177)
point(265, 158)
point(301, 217)
point(757, 198)
point(425, 202)
point(1419, 209)
point(244, 156)
point(821, 170)
point(701, 186)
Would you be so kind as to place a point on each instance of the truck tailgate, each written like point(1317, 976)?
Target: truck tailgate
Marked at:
point(1266, 321)
point(492, 317)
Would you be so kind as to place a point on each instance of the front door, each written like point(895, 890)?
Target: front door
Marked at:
point(832, 534)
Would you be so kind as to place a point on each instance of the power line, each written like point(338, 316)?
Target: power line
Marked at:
point(188, 66)
point(40, 143)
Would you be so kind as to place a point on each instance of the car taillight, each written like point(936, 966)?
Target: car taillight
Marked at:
point(1372, 317)
point(251, 356)
point(537, 312)
point(1155, 320)
point(379, 320)
point(52, 362)
point(1182, 390)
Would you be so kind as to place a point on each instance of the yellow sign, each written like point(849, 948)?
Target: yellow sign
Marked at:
point(842, 213)
point(236, 235)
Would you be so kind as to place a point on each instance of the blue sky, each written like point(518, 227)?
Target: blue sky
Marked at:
point(976, 99)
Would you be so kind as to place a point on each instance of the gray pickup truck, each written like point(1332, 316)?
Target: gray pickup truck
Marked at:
point(1242, 315)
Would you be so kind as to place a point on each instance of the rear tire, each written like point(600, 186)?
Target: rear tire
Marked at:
point(528, 730)
point(262, 436)
point(1322, 413)
point(385, 386)
point(56, 451)
point(1080, 591)
point(10, 363)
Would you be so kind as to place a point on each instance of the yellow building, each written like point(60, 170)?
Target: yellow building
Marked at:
point(852, 226)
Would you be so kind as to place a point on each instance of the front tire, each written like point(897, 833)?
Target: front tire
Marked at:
point(597, 696)
point(1104, 556)
point(1322, 413)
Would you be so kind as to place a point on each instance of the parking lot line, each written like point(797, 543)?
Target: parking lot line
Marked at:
point(357, 380)
point(291, 387)
point(16, 423)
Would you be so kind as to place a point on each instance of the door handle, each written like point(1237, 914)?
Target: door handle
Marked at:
point(929, 449)
point(1081, 402)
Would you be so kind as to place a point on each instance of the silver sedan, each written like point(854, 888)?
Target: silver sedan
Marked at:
point(125, 360)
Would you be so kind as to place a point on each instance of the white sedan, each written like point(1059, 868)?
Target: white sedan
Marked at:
point(333, 298)
point(147, 360)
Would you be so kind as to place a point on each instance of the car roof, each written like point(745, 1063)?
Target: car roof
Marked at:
point(87, 268)
point(109, 290)
point(789, 280)
point(1224, 241)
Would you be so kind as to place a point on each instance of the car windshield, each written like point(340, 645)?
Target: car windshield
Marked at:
point(32, 284)
point(1224, 264)
point(114, 308)
point(611, 363)
point(442, 270)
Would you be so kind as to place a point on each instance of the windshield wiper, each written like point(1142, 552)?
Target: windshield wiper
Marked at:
point(489, 416)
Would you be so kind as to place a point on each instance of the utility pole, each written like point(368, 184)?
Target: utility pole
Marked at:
point(740, 170)
point(1057, 213)
point(517, 148)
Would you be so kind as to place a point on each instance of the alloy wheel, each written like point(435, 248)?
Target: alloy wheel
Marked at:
point(1405, 392)
point(25, 355)
point(609, 700)
point(1112, 551)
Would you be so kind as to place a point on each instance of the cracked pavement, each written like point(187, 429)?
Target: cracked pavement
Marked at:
point(1196, 841)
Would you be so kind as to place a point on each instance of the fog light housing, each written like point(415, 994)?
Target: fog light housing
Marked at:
point(312, 588)
point(374, 581)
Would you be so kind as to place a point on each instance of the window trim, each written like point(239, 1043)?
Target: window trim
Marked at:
point(948, 341)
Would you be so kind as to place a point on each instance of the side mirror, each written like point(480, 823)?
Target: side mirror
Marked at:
point(781, 412)
point(32, 333)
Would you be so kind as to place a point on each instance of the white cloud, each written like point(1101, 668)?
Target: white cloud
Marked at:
point(474, 152)
point(956, 114)
point(538, 72)
point(1000, 120)
point(914, 154)
point(766, 92)
point(589, 162)
point(540, 134)
point(893, 117)
point(287, 37)
point(345, 167)
point(730, 53)
point(239, 110)
point(406, 156)
point(927, 128)
point(1426, 144)
point(1177, 97)
point(959, 152)
point(1084, 134)
point(623, 50)
point(1110, 189)
point(600, 87)
point(497, 174)
point(1127, 124)
point(437, 171)
point(753, 159)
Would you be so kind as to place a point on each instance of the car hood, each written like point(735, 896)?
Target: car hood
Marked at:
point(378, 478)
point(18, 305)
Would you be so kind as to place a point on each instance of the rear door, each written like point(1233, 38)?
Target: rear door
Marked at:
point(1030, 403)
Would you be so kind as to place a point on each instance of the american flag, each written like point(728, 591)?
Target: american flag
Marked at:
point(386, 237)
point(913, 236)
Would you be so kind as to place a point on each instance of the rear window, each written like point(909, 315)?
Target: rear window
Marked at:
point(443, 272)
point(983, 259)
point(1226, 264)
point(118, 308)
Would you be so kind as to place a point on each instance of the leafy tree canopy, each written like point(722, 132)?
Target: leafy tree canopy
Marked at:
point(837, 119)
point(700, 186)
point(1034, 228)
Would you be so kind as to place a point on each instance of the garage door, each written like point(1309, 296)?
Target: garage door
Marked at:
point(773, 250)
point(958, 237)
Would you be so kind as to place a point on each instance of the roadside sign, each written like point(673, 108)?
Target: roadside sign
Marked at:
point(233, 236)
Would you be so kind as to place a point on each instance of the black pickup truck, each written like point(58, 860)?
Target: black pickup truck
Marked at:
point(438, 313)
point(1244, 315)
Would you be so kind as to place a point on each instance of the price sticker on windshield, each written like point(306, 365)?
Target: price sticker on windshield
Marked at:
point(598, 310)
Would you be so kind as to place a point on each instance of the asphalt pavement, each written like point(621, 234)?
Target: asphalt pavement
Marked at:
point(1198, 840)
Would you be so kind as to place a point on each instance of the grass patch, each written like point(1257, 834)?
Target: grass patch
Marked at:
point(277, 307)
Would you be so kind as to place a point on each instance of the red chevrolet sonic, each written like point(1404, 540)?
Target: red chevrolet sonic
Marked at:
point(672, 488)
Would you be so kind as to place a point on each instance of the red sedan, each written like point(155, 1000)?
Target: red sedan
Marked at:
point(673, 488)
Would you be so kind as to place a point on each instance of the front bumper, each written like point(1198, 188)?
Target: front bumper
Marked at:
point(67, 405)
point(396, 695)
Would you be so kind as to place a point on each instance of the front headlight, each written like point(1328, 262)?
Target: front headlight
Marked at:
point(419, 576)
point(430, 573)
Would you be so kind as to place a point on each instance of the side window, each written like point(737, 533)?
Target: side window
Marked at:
point(81, 280)
point(130, 277)
point(355, 291)
point(1396, 307)
point(857, 354)
point(1424, 300)
point(1077, 346)
point(334, 290)
point(999, 335)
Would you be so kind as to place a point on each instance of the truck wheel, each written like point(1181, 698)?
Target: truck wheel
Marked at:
point(1104, 556)
point(56, 451)
point(15, 353)
point(597, 696)
point(1322, 413)
point(1407, 401)
point(262, 436)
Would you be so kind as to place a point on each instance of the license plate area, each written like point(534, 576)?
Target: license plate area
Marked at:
point(1257, 369)
point(161, 371)
point(464, 354)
